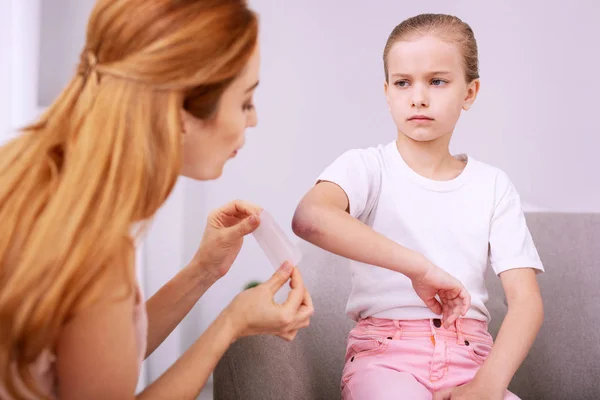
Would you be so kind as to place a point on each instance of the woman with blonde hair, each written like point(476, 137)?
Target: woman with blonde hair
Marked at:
point(164, 88)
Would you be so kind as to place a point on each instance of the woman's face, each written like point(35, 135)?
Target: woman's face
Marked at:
point(209, 144)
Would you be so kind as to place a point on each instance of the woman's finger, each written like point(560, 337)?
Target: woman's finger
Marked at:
point(303, 321)
point(243, 228)
point(296, 295)
point(308, 300)
point(302, 318)
point(289, 336)
point(279, 278)
point(239, 208)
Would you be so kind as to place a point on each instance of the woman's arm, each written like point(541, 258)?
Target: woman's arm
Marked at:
point(174, 301)
point(220, 245)
point(97, 350)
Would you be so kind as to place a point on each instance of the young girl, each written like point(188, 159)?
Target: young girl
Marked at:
point(410, 206)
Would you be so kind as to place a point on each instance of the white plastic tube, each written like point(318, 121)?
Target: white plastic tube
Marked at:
point(274, 243)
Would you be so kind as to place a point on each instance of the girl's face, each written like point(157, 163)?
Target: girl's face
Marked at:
point(426, 89)
point(209, 144)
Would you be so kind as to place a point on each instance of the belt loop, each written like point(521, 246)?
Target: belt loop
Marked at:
point(459, 332)
point(433, 333)
point(398, 332)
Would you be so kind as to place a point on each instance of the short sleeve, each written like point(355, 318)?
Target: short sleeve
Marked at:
point(358, 173)
point(511, 244)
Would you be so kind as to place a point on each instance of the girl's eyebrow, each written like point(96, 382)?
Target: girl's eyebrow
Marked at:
point(403, 75)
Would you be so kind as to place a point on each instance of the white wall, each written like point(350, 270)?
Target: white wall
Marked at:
point(19, 45)
point(63, 30)
point(5, 69)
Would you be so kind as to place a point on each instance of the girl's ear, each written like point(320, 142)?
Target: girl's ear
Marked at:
point(472, 91)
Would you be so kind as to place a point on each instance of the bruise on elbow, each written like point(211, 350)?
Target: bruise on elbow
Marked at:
point(324, 197)
point(303, 224)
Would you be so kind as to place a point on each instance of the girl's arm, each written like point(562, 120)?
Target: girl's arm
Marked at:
point(322, 218)
point(511, 246)
point(516, 336)
point(518, 331)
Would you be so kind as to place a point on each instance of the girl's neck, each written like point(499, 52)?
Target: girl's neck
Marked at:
point(432, 159)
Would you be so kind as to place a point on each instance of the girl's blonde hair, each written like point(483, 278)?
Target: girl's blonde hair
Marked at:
point(104, 156)
point(448, 27)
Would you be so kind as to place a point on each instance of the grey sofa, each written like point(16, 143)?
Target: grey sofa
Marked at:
point(563, 364)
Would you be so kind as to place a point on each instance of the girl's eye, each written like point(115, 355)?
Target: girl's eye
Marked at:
point(248, 107)
point(438, 82)
point(401, 83)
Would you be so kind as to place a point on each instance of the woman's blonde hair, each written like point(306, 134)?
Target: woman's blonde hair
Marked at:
point(104, 156)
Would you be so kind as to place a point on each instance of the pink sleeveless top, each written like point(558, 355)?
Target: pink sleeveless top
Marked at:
point(43, 369)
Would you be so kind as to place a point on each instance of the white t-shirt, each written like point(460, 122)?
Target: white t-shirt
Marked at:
point(461, 225)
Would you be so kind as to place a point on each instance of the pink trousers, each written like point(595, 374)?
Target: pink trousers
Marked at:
point(388, 359)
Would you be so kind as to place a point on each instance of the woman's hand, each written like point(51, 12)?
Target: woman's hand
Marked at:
point(224, 235)
point(254, 312)
point(454, 300)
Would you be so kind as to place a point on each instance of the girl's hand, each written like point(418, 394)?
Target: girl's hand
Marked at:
point(254, 312)
point(454, 300)
point(469, 391)
point(224, 235)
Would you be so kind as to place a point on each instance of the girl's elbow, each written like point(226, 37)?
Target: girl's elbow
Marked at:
point(303, 222)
